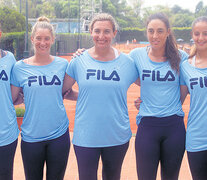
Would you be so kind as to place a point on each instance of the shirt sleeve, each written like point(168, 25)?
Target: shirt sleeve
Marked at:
point(181, 76)
point(134, 58)
point(134, 71)
point(71, 68)
point(14, 79)
point(184, 55)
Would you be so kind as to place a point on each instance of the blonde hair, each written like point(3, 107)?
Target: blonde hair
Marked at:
point(104, 17)
point(44, 23)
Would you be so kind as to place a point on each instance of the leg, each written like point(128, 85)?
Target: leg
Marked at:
point(33, 156)
point(198, 164)
point(147, 149)
point(7, 160)
point(87, 159)
point(57, 157)
point(112, 158)
point(172, 149)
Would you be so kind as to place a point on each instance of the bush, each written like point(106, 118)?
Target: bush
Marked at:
point(11, 20)
point(20, 112)
point(139, 34)
point(13, 42)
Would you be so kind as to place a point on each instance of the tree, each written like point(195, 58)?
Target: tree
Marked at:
point(136, 6)
point(200, 10)
point(47, 9)
point(11, 20)
point(126, 14)
point(178, 10)
point(62, 9)
point(182, 20)
point(108, 7)
point(122, 12)
point(149, 10)
point(199, 7)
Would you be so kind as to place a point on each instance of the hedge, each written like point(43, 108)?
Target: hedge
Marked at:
point(64, 43)
point(13, 42)
point(68, 43)
point(139, 34)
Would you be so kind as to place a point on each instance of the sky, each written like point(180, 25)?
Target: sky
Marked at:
point(184, 4)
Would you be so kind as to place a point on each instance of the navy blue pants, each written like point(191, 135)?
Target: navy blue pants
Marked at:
point(54, 152)
point(198, 164)
point(7, 160)
point(112, 159)
point(160, 140)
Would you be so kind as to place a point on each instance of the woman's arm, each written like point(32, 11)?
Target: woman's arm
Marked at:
point(17, 95)
point(67, 91)
point(183, 93)
point(137, 82)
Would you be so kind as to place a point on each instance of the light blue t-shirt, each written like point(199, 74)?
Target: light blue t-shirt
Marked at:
point(160, 86)
point(196, 80)
point(8, 123)
point(101, 118)
point(45, 115)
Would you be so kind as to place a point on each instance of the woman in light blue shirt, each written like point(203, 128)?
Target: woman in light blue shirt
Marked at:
point(45, 134)
point(8, 124)
point(160, 135)
point(194, 72)
point(102, 127)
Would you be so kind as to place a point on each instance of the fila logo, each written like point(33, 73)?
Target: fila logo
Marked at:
point(101, 74)
point(155, 75)
point(3, 76)
point(43, 80)
point(201, 81)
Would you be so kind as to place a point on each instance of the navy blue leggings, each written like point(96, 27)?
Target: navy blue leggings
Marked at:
point(160, 140)
point(7, 160)
point(112, 159)
point(54, 152)
point(198, 164)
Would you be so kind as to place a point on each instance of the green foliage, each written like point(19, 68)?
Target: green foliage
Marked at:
point(11, 20)
point(48, 9)
point(139, 34)
point(183, 33)
point(132, 33)
point(200, 10)
point(13, 42)
point(126, 16)
point(20, 112)
point(133, 29)
point(182, 20)
point(67, 42)
point(199, 7)
point(108, 7)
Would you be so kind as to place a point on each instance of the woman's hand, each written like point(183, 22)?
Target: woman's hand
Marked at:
point(78, 52)
point(137, 103)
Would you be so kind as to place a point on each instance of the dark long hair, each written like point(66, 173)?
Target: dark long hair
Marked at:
point(171, 49)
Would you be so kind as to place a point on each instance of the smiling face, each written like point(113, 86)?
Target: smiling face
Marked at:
point(199, 35)
point(102, 34)
point(42, 41)
point(157, 33)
